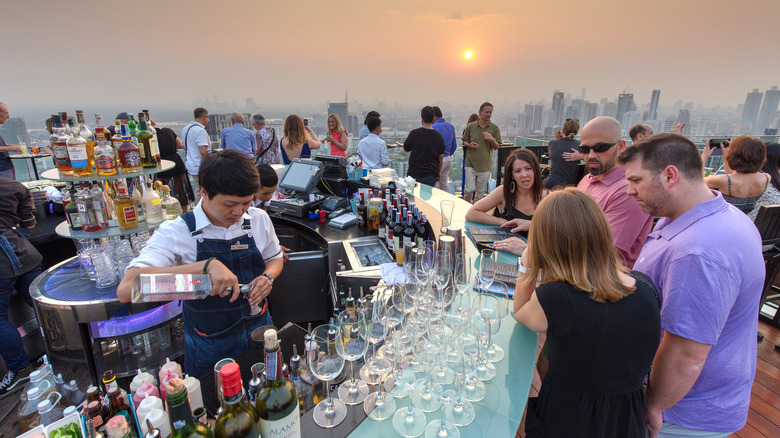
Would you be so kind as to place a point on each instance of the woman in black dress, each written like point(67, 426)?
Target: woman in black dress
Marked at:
point(168, 143)
point(602, 322)
point(512, 204)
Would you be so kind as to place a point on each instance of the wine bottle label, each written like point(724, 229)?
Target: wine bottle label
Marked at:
point(271, 370)
point(396, 242)
point(287, 427)
point(407, 239)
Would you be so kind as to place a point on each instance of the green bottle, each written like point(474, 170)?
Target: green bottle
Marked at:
point(183, 424)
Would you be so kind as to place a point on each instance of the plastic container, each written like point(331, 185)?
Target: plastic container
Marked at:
point(165, 381)
point(49, 412)
point(147, 389)
point(146, 406)
point(139, 379)
point(35, 432)
point(171, 366)
point(28, 411)
point(160, 420)
point(193, 391)
point(74, 418)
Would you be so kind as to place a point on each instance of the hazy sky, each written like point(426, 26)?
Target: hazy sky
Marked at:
point(300, 52)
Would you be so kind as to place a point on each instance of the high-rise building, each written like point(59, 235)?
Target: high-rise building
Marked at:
point(557, 108)
point(529, 117)
point(703, 128)
point(652, 113)
point(353, 125)
point(218, 122)
point(590, 111)
point(684, 116)
point(340, 109)
point(625, 104)
point(768, 111)
point(609, 109)
point(752, 105)
point(536, 122)
point(630, 118)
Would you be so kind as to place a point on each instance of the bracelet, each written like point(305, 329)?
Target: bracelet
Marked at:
point(206, 265)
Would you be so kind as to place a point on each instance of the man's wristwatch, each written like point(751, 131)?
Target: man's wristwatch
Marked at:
point(269, 277)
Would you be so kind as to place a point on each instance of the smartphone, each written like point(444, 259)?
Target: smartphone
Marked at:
point(716, 143)
point(305, 122)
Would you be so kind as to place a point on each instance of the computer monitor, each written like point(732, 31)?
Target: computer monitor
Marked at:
point(302, 175)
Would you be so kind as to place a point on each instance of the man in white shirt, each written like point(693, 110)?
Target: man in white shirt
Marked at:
point(232, 243)
point(196, 145)
point(372, 149)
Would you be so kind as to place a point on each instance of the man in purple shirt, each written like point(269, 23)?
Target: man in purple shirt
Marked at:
point(705, 257)
point(447, 131)
point(601, 141)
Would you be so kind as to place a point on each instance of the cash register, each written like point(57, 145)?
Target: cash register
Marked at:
point(300, 189)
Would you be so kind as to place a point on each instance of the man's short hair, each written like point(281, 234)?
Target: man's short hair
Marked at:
point(369, 115)
point(662, 150)
point(746, 154)
point(268, 176)
point(437, 112)
point(427, 114)
point(484, 104)
point(237, 117)
point(200, 112)
point(636, 130)
point(258, 118)
point(373, 123)
point(229, 173)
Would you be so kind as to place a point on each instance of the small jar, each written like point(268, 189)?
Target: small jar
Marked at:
point(374, 211)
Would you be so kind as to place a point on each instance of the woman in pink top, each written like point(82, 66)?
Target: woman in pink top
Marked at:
point(337, 137)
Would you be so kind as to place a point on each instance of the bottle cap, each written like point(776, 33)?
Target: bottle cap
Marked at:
point(33, 393)
point(231, 379)
point(44, 406)
point(270, 338)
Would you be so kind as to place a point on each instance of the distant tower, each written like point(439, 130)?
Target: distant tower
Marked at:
point(685, 117)
point(624, 105)
point(557, 108)
point(653, 111)
point(752, 105)
point(768, 111)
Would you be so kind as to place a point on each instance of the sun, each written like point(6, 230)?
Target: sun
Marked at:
point(468, 54)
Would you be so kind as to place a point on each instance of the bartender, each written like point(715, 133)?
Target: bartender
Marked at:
point(232, 243)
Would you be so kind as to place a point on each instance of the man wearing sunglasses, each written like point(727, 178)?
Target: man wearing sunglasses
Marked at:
point(601, 141)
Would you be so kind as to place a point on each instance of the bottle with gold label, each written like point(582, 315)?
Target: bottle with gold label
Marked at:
point(144, 138)
point(59, 146)
point(87, 135)
point(129, 154)
point(77, 151)
point(153, 130)
point(124, 206)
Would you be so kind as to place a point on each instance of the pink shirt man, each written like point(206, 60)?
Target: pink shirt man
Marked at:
point(630, 225)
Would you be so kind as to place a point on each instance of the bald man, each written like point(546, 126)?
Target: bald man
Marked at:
point(601, 141)
point(6, 165)
point(238, 137)
point(640, 131)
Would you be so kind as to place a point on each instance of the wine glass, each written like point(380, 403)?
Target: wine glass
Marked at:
point(354, 329)
point(453, 361)
point(410, 373)
point(410, 256)
point(442, 269)
point(474, 389)
point(404, 342)
point(375, 311)
point(487, 272)
point(494, 353)
point(487, 323)
point(423, 398)
point(378, 405)
point(461, 412)
point(462, 265)
point(326, 363)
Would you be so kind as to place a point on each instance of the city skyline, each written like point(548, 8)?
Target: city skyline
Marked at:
point(288, 54)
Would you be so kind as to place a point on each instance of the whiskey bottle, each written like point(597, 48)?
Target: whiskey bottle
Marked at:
point(124, 206)
point(77, 151)
point(129, 155)
point(87, 135)
point(144, 138)
point(59, 146)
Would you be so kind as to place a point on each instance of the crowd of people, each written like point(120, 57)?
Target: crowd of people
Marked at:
point(650, 329)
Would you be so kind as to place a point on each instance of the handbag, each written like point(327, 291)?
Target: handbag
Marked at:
point(20, 253)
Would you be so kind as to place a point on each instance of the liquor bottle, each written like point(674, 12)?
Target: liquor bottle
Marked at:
point(104, 132)
point(152, 205)
point(382, 220)
point(422, 231)
point(77, 151)
point(87, 135)
point(103, 153)
point(124, 206)
point(277, 406)
point(98, 205)
point(129, 154)
point(116, 139)
point(71, 210)
point(144, 138)
point(389, 226)
point(93, 394)
point(138, 198)
point(171, 206)
point(178, 406)
point(86, 214)
point(153, 130)
point(238, 419)
point(362, 213)
point(119, 406)
point(59, 146)
point(409, 232)
point(295, 377)
point(131, 125)
point(398, 231)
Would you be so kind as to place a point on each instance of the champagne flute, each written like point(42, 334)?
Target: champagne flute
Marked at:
point(487, 323)
point(495, 353)
point(461, 412)
point(354, 391)
point(453, 361)
point(378, 405)
point(474, 390)
point(462, 265)
point(410, 373)
point(487, 272)
point(326, 364)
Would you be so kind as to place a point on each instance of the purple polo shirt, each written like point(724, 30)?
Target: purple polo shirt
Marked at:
point(630, 225)
point(708, 267)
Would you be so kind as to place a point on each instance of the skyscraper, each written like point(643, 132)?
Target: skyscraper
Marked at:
point(625, 104)
point(557, 108)
point(752, 105)
point(653, 111)
point(766, 116)
point(341, 110)
point(685, 117)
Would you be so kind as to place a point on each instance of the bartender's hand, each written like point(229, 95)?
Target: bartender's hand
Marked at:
point(261, 287)
point(223, 281)
point(285, 250)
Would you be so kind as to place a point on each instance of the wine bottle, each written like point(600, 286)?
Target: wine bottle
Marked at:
point(409, 233)
point(362, 213)
point(277, 403)
point(389, 225)
point(178, 407)
point(422, 231)
point(382, 220)
point(398, 231)
point(238, 419)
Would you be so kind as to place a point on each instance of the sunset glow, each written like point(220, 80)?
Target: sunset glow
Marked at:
point(467, 55)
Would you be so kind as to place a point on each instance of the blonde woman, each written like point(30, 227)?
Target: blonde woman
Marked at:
point(337, 137)
point(298, 140)
point(603, 322)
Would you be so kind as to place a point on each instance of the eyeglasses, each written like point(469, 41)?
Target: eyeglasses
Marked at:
point(600, 147)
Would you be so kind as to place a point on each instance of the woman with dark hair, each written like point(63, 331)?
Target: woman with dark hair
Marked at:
point(298, 140)
point(743, 183)
point(563, 172)
point(771, 195)
point(603, 323)
point(512, 203)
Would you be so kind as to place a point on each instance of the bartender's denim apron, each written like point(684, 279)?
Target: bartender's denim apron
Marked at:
point(215, 328)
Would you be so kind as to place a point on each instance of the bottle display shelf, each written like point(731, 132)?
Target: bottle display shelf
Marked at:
point(64, 230)
point(54, 175)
